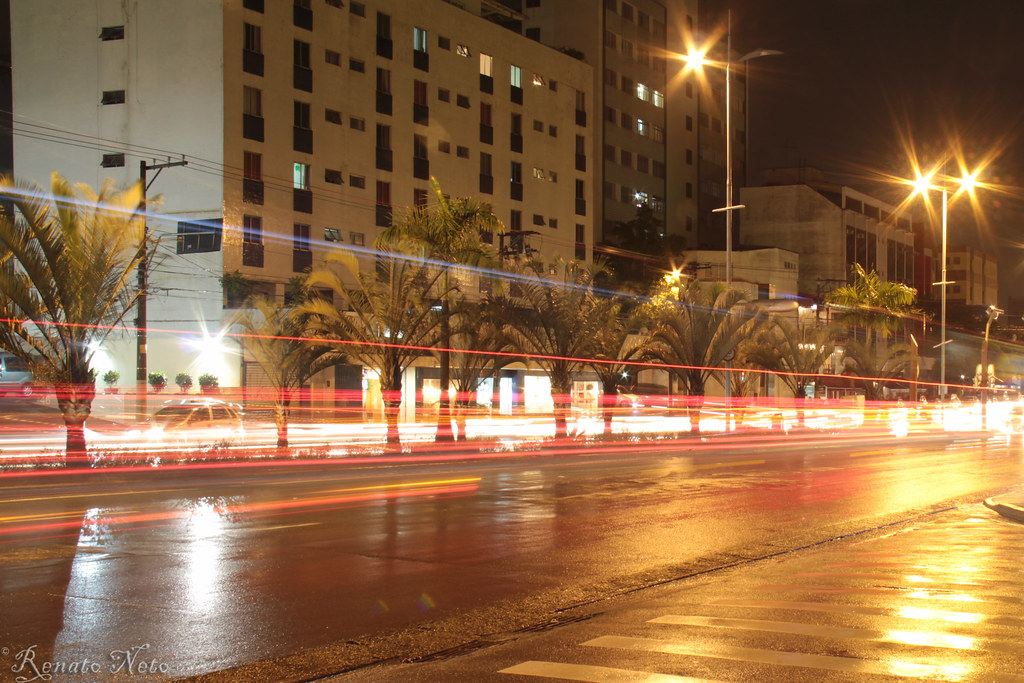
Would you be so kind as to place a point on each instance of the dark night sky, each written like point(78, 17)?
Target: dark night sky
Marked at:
point(861, 77)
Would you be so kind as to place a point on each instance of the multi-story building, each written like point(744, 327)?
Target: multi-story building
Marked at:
point(646, 135)
point(303, 124)
point(830, 226)
point(974, 275)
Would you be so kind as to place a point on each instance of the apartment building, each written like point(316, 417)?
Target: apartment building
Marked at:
point(646, 134)
point(303, 125)
point(974, 275)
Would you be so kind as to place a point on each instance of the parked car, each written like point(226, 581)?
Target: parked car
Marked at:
point(645, 396)
point(15, 377)
point(195, 422)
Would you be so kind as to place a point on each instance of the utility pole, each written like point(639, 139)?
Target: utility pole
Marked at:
point(141, 361)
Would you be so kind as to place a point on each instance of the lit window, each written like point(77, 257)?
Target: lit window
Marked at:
point(641, 127)
point(419, 40)
point(658, 99)
point(643, 92)
point(486, 64)
point(538, 173)
point(332, 235)
point(462, 50)
point(300, 176)
point(516, 76)
point(538, 79)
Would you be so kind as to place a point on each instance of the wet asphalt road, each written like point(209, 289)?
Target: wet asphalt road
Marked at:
point(291, 572)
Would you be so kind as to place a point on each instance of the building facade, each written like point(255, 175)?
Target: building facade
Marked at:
point(974, 275)
point(303, 126)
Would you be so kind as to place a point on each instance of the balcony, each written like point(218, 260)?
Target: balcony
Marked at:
point(383, 216)
point(302, 17)
point(252, 127)
point(384, 103)
point(581, 251)
point(421, 60)
point(302, 139)
point(516, 95)
point(486, 84)
point(581, 118)
point(421, 168)
point(486, 184)
point(302, 260)
point(302, 78)
point(384, 47)
point(516, 142)
point(252, 62)
point(384, 159)
point(486, 134)
point(581, 162)
point(252, 191)
point(302, 200)
point(252, 254)
point(516, 191)
point(581, 207)
point(421, 114)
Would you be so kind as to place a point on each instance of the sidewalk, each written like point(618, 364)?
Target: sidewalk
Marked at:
point(1010, 505)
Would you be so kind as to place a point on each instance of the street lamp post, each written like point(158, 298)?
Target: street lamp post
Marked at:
point(993, 313)
point(922, 185)
point(729, 206)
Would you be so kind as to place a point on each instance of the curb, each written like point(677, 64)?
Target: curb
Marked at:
point(1008, 510)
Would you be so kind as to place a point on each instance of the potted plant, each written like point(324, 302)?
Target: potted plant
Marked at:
point(158, 380)
point(110, 378)
point(208, 383)
point(184, 382)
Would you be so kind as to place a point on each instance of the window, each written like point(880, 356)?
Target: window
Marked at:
point(419, 198)
point(301, 51)
point(538, 219)
point(356, 123)
point(610, 40)
point(419, 146)
point(515, 220)
point(198, 238)
point(658, 99)
point(444, 95)
point(444, 146)
point(112, 97)
point(332, 235)
point(657, 133)
point(486, 64)
point(357, 181)
point(627, 48)
point(516, 172)
point(252, 101)
point(642, 163)
point(383, 203)
point(419, 92)
point(485, 164)
point(444, 43)
point(609, 114)
point(610, 77)
point(334, 3)
point(383, 25)
point(689, 190)
point(641, 127)
point(609, 152)
point(538, 173)
point(553, 223)
point(658, 169)
point(516, 76)
point(332, 116)
point(581, 232)
point(627, 11)
point(114, 160)
point(419, 39)
point(627, 84)
point(485, 114)
point(462, 152)
point(357, 8)
point(332, 57)
point(112, 33)
point(300, 236)
point(252, 229)
point(538, 126)
point(300, 176)
point(462, 101)
point(626, 158)
point(301, 117)
point(383, 136)
point(462, 50)
point(689, 156)
point(643, 92)
point(252, 166)
point(333, 177)
point(357, 238)
point(384, 81)
point(253, 39)
point(357, 65)
point(553, 176)
point(626, 120)
point(538, 79)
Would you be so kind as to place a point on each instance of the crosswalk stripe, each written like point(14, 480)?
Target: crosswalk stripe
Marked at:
point(910, 637)
point(594, 674)
point(898, 591)
point(904, 612)
point(893, 667)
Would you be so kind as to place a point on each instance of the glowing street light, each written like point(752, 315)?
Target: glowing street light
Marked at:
point(922, 184)
point(697, 59)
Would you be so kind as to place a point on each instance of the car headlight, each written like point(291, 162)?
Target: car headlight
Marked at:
point(155, 433)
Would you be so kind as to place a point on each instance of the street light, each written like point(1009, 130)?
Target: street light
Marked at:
point(729, 206)
point(922, 185)
point(993, 313)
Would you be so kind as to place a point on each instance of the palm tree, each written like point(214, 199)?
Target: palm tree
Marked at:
point(614, 345)
point(67, 267)
point(277, 338)
point(450, 233)
point(871, 303)
point(695, 328)
point(480, 348)
point(551, 318)
point(795, 349)
point(874, 365)
point(385, 319)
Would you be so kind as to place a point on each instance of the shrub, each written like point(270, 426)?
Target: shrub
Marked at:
point(110, 377)
point(183, 380)
point(157, 379)
point(208, 380)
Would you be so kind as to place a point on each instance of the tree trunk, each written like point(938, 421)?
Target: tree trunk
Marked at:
point(281, 421)
point(391, 392)
point(75, 403)
point(444, 414)
point(609, 397)
point(694, 402)
point(561, 386)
